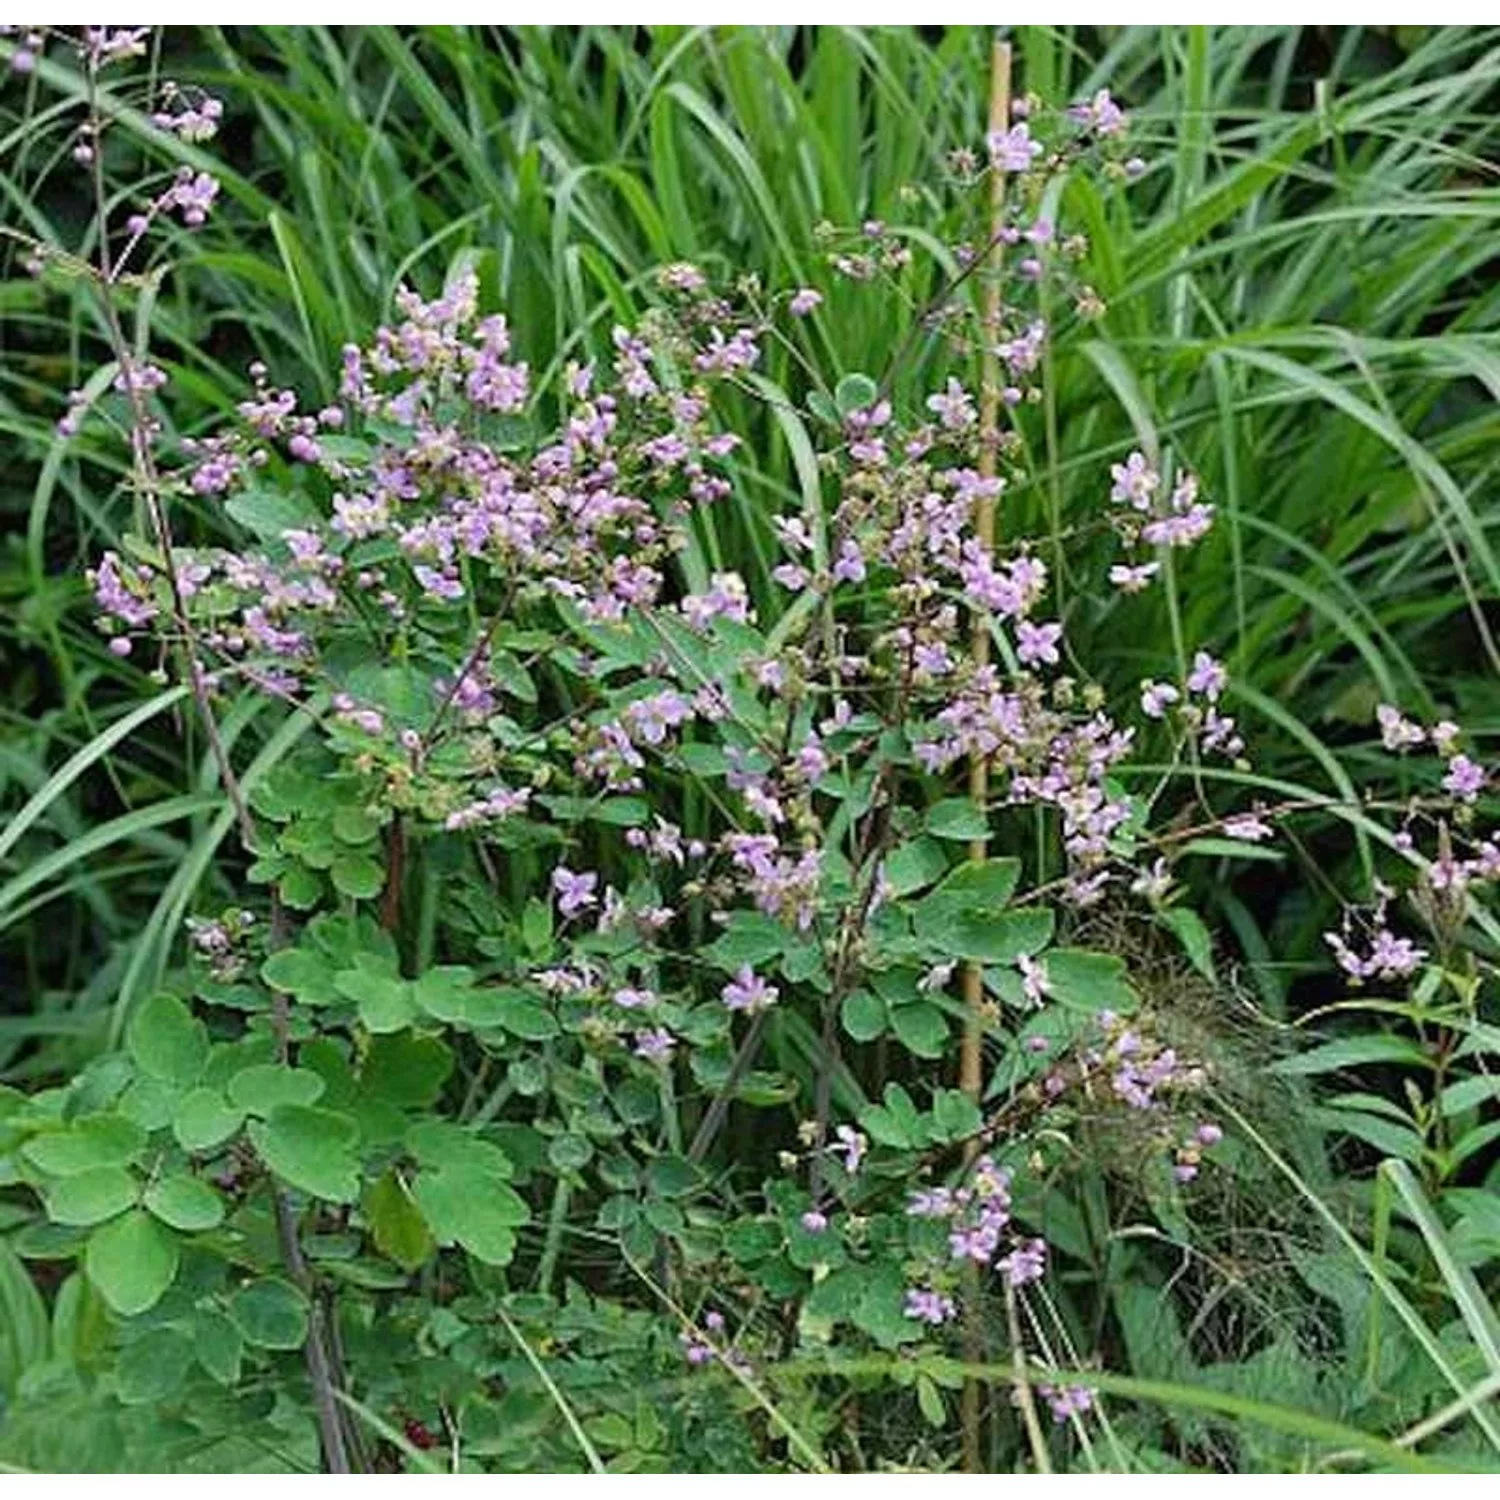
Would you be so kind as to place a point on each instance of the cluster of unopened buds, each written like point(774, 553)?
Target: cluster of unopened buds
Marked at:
point(191, 116)
point(221, 941)
point(98, 45)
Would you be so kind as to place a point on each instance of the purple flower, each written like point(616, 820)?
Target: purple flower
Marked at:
point(1131, 580)
point(804, 301)
point(574, 891)
point(1027, 1262)
point(814, 1222)
point(1246, 827)
point(1207, 677)
point(852, 1146)
point(748, 992)
point(438, 584)
point(1445, 735)
point(1037, 643)
point(1034, 984)
point(1013, 150)
point(953, 407)
point(927, 1306)
point(1465, 779)
point(1135, 482)
point(849, 567)
point(193, 195)
point(631, 998)
point(1390, 957)
point(1071, 1401)
point(655, 1045)
point(1156, 698)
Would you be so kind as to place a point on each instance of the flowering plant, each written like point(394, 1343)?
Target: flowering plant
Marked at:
point(695, 862)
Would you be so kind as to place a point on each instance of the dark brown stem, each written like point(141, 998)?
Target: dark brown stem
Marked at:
point(320, 1371)
point(395, 857)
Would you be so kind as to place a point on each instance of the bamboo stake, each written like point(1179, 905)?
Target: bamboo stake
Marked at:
point(970, 1078)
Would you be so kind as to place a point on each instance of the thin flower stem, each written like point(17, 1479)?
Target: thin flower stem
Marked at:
point(970, 1078)
point(325, 1379)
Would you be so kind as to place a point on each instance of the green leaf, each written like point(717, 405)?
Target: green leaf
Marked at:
point(406, 1070)
point(1191, 932)
point(149, 1102)
point(353, 825)
point(915, 865)
point(312, 1149)
point(881, 1308)
point(269, 513)
point(386, 1002)
point(203, 1120)
point(750, 937)
point(185, 1202)
point(153, 1366)
point(1384, 1135)
point(132, 1261)
point(97, 1141)
point(358, 875)
point(446, 993)
point(672, 1176)
point(306, 976)
point(513, 1010)
point(569, 1152)
point(270, 1313)
point(999, 937)
point(930, 1402)
point(218, 1345)
point(1475, 1306)
point(1088, 981)
point(90, 1197)
point(957, 818)
point(863, 1015)
point(261, 1088)
point(440, 1143)
point(472, 1209)
point(854, 393)
point(1353, 1052)
point(985, 884)
point(955, 1115)
point(895, 1122)
point(396, 1222)
point(536, 926)
point(167, 1041)
point(921, 1028)
point(301, 888)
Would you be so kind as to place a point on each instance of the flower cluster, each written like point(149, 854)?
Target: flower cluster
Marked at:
point(977, 1215)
